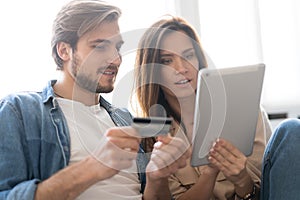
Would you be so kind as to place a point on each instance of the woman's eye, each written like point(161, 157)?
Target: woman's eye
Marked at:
point(189, 56)
point(166, 61)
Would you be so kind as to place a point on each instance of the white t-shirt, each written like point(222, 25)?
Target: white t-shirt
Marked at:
point(87, 124)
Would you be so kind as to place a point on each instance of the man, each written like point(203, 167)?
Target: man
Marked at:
point(63, 143)
point(280, 172)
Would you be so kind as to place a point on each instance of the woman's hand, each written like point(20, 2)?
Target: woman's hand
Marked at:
point(230, 161)
point(168, 155)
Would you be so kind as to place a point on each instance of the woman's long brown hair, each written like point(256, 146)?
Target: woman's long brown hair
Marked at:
point(147, 89)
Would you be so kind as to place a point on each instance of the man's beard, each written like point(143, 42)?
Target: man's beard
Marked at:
point(85, 81)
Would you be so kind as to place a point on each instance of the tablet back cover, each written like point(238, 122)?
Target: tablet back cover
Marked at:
point(227, 106)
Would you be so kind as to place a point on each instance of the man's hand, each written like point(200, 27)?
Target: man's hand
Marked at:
point(117, 151)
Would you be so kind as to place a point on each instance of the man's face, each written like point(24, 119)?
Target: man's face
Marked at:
point(96, 61)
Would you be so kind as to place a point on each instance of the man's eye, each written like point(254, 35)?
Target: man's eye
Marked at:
point(100, 47)
point(118, 48)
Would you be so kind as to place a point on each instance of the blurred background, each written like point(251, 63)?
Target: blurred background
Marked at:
point(233, 33)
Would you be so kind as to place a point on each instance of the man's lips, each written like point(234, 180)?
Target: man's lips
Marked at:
point(108, 71)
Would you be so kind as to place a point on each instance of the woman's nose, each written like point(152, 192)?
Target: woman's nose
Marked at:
point(180, 66)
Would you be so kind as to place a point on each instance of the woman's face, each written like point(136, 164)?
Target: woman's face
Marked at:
point(179, 68)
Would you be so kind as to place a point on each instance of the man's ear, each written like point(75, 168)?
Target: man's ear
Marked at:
point(64, 50)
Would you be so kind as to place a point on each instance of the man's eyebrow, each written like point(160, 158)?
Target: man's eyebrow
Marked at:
point(97, 41)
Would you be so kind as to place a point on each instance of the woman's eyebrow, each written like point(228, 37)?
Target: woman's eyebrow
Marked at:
point(166, 54)
point(188, 50)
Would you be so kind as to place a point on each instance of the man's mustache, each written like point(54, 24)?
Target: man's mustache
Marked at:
point(110, 67)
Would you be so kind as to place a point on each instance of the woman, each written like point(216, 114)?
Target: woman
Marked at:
point(168, 59)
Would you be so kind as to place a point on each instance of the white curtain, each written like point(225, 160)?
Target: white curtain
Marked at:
point(235, 32)
point(26, 62)
point(280, 35)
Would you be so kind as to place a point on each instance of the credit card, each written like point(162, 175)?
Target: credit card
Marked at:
point(152, 126)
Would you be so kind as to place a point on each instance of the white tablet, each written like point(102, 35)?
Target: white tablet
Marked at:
point(227, 106)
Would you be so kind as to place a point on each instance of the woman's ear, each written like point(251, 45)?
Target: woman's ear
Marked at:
point(64, 50)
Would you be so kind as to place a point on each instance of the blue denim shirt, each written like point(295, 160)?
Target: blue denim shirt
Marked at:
point(35, 141)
